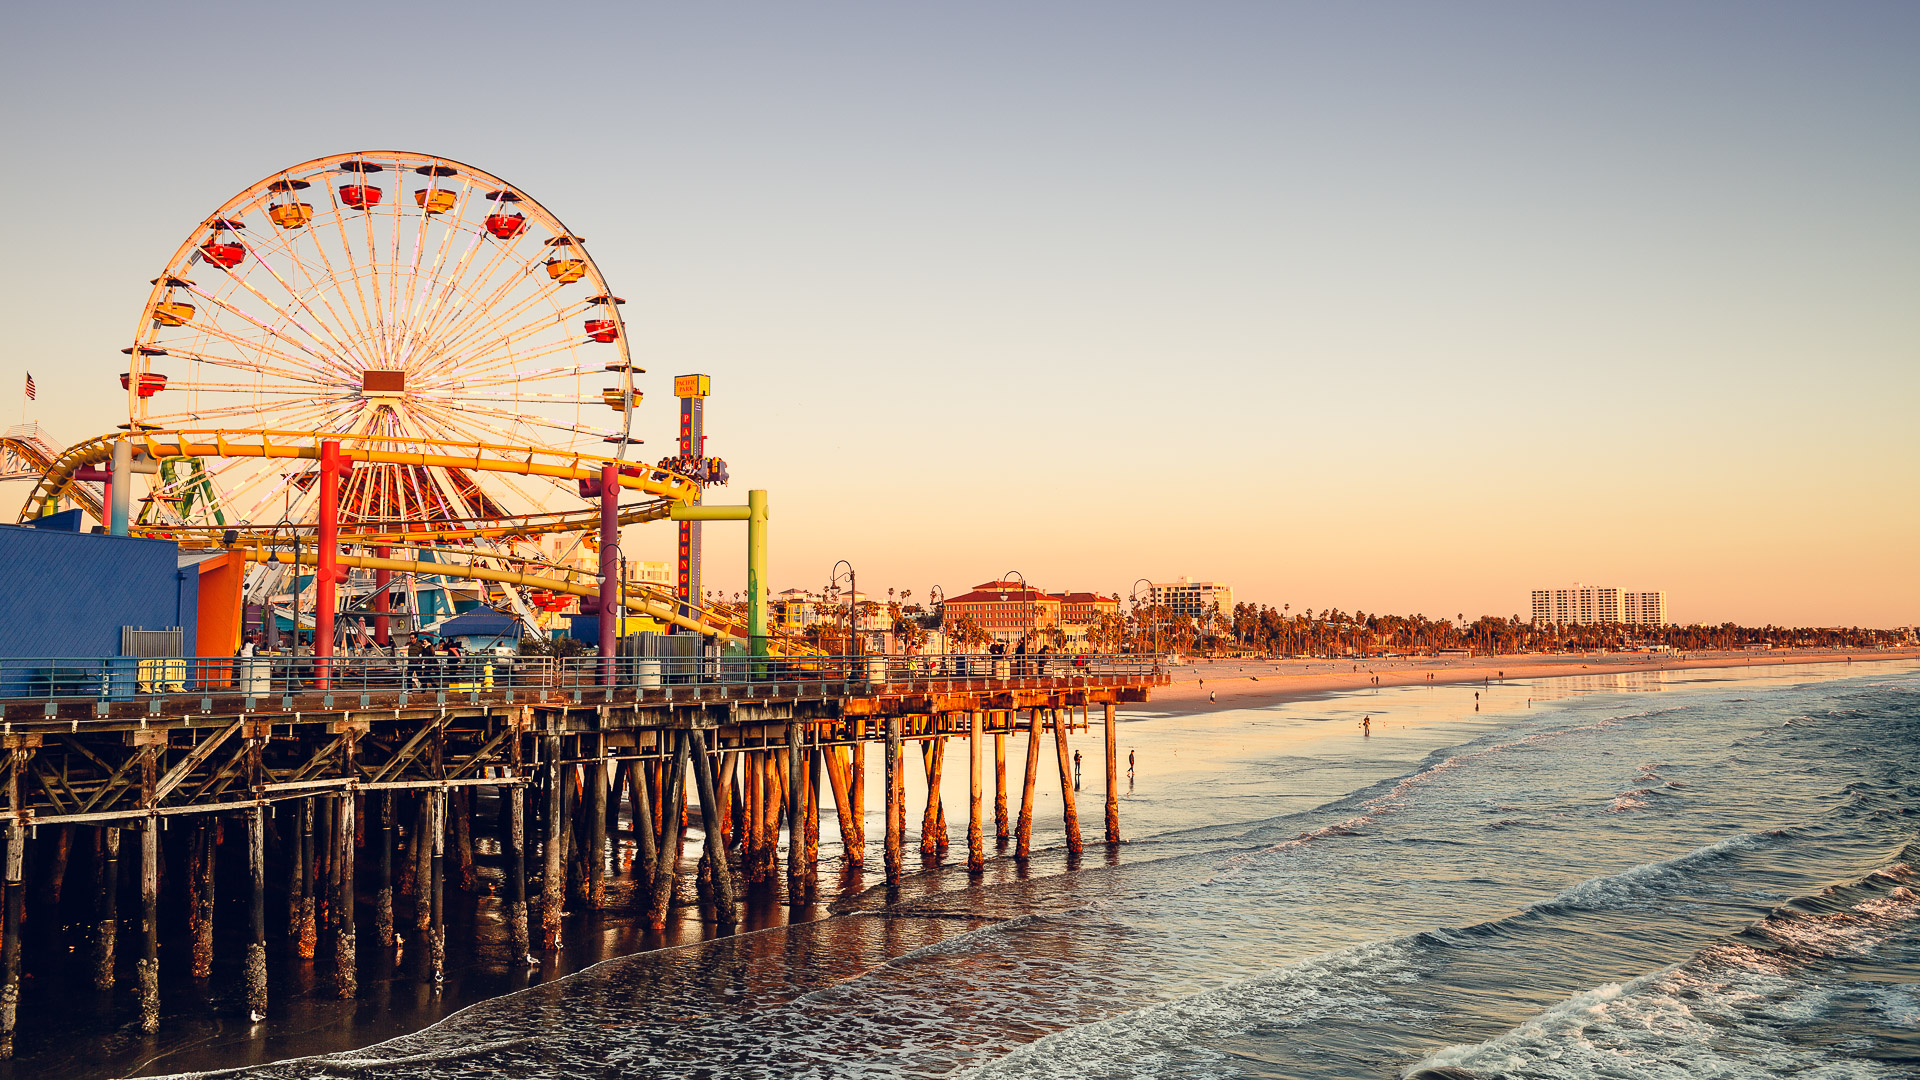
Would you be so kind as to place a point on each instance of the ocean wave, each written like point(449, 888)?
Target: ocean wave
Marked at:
point(1728, 1011)
point(1177, 1038)
point(1650, 881)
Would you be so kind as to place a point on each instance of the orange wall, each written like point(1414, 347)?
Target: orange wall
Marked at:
point(218, 631)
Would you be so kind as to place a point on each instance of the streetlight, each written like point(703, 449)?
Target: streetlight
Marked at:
point(1026, 601)
point(1133, 600)
point(853, 639)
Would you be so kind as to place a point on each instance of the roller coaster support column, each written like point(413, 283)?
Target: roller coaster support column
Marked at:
point(122, 494)
point(609, 569)
point(755, 515)
point(328, 572)
point(382, 583)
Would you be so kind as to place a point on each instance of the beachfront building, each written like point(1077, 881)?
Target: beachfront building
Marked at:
point(1192, 599)
point(1006, 610)
point(1587, 605)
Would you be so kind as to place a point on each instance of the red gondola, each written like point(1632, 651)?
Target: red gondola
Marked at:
point(360, 196)
point(225, 256)
point(602, 330)
point(506, 226)
point(151, 382)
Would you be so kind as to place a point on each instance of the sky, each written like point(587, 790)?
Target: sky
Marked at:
point(1401, 307)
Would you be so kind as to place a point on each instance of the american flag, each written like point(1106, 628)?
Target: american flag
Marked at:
point(29, 386)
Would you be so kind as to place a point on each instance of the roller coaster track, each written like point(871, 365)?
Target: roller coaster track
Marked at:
point(28, 453)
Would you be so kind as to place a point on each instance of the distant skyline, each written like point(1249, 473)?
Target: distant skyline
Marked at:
point(1397, 307)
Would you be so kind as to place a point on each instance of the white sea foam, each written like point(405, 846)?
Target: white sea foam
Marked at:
point(1176, 1038)
point(1726, 1012)
point(1652, 880)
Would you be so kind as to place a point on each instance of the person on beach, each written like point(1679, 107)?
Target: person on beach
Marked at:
point(1212, 698)
point(1076, 770)
point(1366, 726)
point(1129, 765)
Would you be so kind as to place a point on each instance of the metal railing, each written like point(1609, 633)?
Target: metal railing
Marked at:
point(110, 679)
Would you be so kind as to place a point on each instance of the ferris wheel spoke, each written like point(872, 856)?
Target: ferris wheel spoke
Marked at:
point(482, 294)
point(252, 409)
point(452, 223)
point(248, 317)
point(451, 285)
point(508, 480)
point(336, 346)
point(239, 364)
point(525, 312)
point(515, 377)
point(477, 317)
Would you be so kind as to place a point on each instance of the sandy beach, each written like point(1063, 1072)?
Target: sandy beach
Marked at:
point(1201, 685)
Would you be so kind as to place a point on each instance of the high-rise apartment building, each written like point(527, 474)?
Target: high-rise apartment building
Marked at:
point(1585, 605)
point(1193, 599)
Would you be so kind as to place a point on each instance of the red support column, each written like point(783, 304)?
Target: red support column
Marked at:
point(381, 580)
point(328, 572)
point(609, 569)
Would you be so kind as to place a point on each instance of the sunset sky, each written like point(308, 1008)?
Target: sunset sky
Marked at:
point(1397, 307)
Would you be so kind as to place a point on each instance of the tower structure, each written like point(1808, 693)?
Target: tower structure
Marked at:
point(692, 390)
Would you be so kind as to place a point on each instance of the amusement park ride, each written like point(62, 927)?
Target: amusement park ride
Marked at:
point(403, 372)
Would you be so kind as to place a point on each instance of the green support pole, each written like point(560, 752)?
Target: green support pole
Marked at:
point(757, 571)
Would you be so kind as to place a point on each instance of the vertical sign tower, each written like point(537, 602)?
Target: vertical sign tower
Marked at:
point(692, 391)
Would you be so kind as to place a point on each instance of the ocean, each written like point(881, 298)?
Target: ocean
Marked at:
point(1705, 873)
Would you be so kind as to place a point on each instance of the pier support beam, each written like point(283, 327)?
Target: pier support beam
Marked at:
point(107, 909)
point(896, 814)
point(976, 845)
point(640, 807)
point(857, 795)
point(933, 824)
point(1023, 832)
point(16, 901)
point(257, 911)
point(1070, 813)
point(346, 981)
point(1113, 774)
point(200, 897)
point(383, 868)
point(1000, 830)
point(515, 835)
point(437, 813)
point(147, 969)
point(666, 867)
point(422, 852)
point(553, 873)
point(596, 838)
point(306, 932)
point(711, 812)
point(811, 863)
point(796, 814)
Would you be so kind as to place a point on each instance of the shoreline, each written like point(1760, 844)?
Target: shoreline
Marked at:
point(1236, 683)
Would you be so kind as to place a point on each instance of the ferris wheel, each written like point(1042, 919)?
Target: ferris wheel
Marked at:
point(400, 300)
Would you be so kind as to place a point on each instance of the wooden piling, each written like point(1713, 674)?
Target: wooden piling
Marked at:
point(932, 826)
point(15, 906)
point(382, 806)
point(106, 909)
point(1000, 830)
point(640, 808)
point(752, 809)
point(200, 849)
point(895, 812)
point(711, 812)
point(305, 933)
point(596, 838)
point(1023, 832)
point(422, 850)
point(515, 835)
point(437, 814)
point(857, 794)
point(796, 813)
point(976, 846)
point(1113, 775)
point(460, 829)
point(553, 876)
point(1070, 814)
point(667, 865)
point(257, 910)
point(340, 905)
point(838, 786)
point(147, 968)
point(810, 861)
point(723, 795)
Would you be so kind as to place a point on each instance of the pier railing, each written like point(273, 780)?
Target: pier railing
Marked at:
point(111, 679)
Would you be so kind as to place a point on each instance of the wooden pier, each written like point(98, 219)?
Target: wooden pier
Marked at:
point(355, 791)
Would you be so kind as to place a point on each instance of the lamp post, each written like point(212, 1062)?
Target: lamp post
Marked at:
point(935, 597)
point(1133, 599)
point(853, 599)
point(1026, 601)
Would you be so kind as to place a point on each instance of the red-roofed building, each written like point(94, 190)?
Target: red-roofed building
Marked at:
point(1007, 610)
